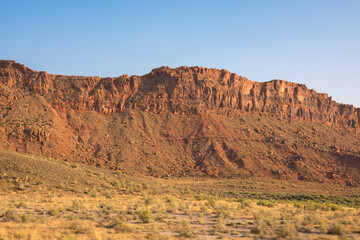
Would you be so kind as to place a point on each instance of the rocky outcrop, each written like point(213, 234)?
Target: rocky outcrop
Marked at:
point(202, 90)
point(184, 90)
point(188, 121)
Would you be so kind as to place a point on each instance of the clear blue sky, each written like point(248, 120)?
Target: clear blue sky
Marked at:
point(316, 42)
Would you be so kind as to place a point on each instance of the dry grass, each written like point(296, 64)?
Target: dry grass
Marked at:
point(80, 216)
point(122, 207)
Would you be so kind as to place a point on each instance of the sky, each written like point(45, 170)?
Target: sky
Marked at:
point(315, 42)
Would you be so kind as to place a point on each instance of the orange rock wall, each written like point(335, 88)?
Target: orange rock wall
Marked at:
point(184, 90)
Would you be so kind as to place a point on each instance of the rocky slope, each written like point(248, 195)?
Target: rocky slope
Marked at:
point(183, 121)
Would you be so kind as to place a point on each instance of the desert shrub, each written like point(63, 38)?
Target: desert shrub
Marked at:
point(286, 213)
point(27, 218)
point(43, 219)
point(21, 205)
point(118, 184)
point(334, 207)
point(222, 213)
point(257, 229)
point(54, 212)
point(172, 205)
point(155, 235)
point(211, 202)
point(266, 203)
point(10, 215)
point(94, 192)
point(220, 227)
point(323, 228)
point(108, 193)
point(123, 228)
point(288, 231)
point(74, 207)
point(185, 231)
point(169, 200)
point(201, 219)
point(312, 206)
point(133, 188)
point(244, 203)
point(310, 220)
point(336, 229)
point(298, 205)
point(187, 211)
point(149, 200)
point(106, 208)
point(265, 218)
point(145, 216)
point(199, 197)
point(118, 221)
point(204, 209)
point(78, 228)
point(161, 217)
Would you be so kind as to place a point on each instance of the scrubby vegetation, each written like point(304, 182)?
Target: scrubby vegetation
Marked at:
point(115, 206)
point(66, 215)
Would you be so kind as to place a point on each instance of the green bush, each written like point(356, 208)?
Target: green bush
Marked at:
point(266, 203)
point(200, 197)
point(53, 212)
point(145, 216)
point(334, 207)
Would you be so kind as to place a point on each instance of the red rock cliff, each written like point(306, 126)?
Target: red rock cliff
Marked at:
point(184, 90)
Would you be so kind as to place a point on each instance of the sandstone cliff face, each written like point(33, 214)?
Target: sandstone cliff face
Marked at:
point(202, 90)
point(180, 122)
point(184, 90)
